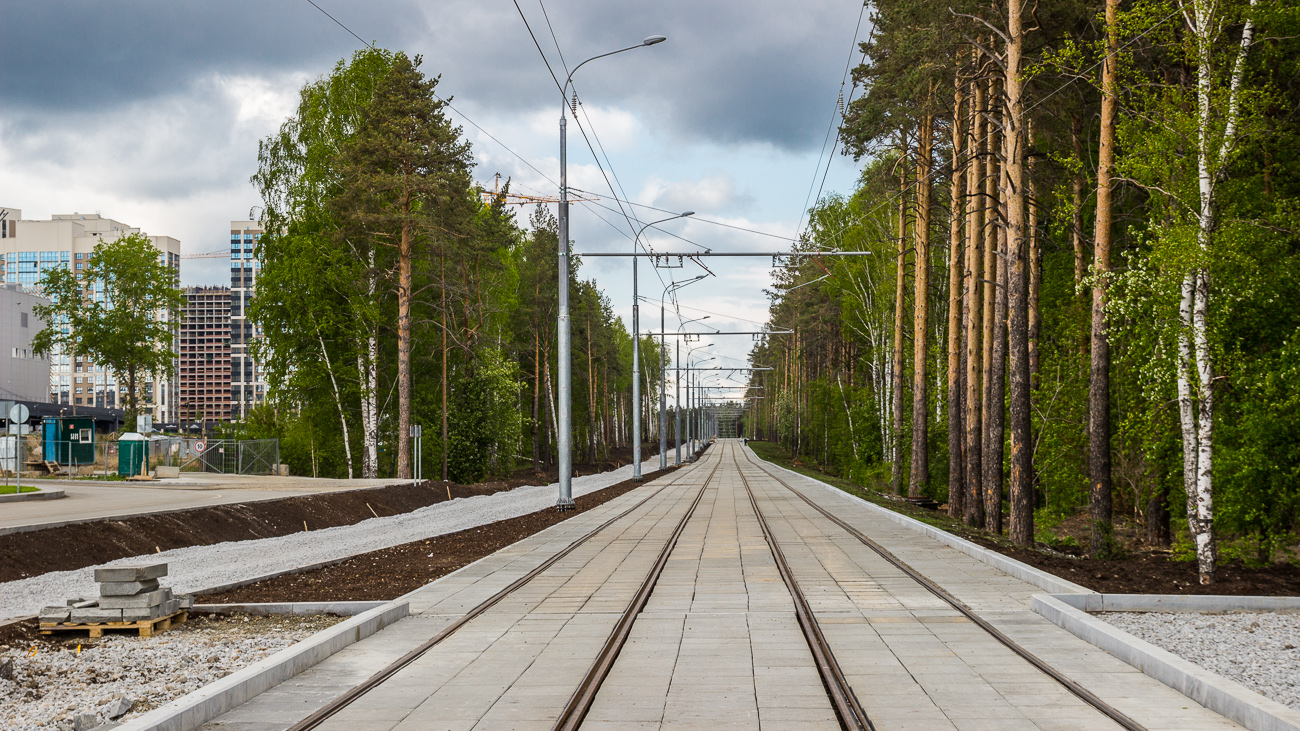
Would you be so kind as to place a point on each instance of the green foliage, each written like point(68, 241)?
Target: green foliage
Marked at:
point(122, 313)
point(489, 426)
point(367, 169)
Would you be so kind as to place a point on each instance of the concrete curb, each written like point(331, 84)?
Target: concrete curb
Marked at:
point(1215, 692)
point(1005, 564)
point(295, 609)
point(22, 497)
point(195, 709)
point(1208, 603)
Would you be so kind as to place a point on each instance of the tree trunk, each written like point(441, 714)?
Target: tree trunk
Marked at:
point(132, 400)
point(955, 440)
point(537, 395)
point(970, 508)
point(994, 324)
point(369, 374)
point(1034, 262)
point(995, 364)
point(591, 400)
point(1021, 477)
point(920, 474)
point(446, 443)
point(338, 402)
point(404, 347)
point(1099, 499)
point(900, 307)
point(1077, 184)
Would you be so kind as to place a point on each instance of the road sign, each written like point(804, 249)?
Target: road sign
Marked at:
point(18, 413)
point(199, 446)
point(144, 423)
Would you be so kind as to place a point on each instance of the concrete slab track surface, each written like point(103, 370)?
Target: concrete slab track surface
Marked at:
point(719, 644)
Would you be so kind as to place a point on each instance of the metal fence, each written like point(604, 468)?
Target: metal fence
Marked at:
point(223, 456)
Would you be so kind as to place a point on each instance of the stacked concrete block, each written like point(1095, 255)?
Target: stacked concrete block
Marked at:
point(126, 594)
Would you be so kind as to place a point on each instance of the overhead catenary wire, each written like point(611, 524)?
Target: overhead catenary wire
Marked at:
point(892, 198)
point(624, 199)
point(831, 125)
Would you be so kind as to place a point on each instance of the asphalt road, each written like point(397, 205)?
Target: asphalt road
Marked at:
point(90, 500)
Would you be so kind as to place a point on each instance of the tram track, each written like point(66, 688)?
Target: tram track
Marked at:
point(580, 702)
point(356, 692)
point(1038, 663)
point(847, 708)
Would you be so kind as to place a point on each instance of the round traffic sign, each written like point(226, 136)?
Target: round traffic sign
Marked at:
point(199, 446)
point(18, 413)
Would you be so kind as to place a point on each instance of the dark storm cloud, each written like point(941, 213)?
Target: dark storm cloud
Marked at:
point(733, 71)
point(76, 53)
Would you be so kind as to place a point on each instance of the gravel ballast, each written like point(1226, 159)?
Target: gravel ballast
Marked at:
point(121, 676)
point(1259, 650)
point(201, 567)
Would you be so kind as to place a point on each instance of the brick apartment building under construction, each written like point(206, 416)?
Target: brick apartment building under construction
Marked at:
point(205, 356)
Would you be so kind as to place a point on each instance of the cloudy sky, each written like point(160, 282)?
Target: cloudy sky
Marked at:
point(150, 113)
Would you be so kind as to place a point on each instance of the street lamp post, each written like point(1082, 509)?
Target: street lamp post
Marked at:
point(563, 427)
point(663, 371)
point(636, 350)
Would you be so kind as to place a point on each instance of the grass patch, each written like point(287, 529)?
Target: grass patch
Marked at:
point(10, 489)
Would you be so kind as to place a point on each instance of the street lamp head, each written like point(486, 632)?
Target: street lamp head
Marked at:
point(653, 40)
point(687, 213)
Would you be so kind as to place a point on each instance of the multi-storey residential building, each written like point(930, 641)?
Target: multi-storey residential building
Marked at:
point(23, 376)
point(205, 372)
point(28, 248)
point(247, 380)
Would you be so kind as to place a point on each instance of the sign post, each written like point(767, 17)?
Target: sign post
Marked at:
point(18, 415)
point(417, 437)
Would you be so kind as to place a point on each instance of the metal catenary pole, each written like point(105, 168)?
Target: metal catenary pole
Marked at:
point(565, 435)
point(636, 348)
point(663, 371)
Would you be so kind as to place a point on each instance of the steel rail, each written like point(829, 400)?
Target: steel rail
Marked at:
point(1079, 691)
point(582, 699)
point(851, 714)
point(374, 681)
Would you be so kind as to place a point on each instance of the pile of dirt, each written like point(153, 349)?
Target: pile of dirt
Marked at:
point(1157, 573)
point(391, 572)
point(79, 545)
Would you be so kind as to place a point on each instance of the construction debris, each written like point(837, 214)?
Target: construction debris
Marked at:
point(130, 597)
point(118, 678)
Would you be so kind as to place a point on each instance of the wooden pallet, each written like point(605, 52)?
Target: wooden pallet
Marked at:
point(146, 627)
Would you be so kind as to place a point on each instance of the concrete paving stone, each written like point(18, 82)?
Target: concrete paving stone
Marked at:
point(718, 646)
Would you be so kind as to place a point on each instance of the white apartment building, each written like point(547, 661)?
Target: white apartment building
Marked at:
point(247, 379)
point(28, 248)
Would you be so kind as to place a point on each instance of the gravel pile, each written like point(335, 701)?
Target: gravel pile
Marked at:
point(1259, 650)
point(204, 567)
point(121, 676)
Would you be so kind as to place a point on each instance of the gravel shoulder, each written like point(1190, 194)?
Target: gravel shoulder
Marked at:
point(1259, 650)
point(195, 568)
point(47, 684)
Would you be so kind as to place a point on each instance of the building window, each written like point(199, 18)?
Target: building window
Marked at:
point(22, 319)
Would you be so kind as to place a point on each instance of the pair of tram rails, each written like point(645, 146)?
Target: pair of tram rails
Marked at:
point(848, 710)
